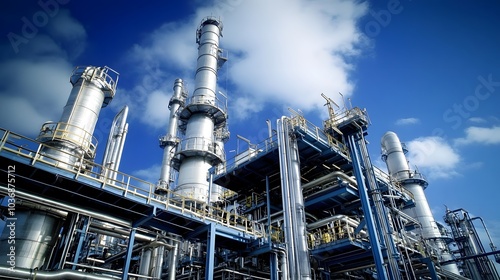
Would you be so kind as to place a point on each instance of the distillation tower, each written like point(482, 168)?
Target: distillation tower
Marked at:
point(203, 119)
point(305, 203)
point(397, 165)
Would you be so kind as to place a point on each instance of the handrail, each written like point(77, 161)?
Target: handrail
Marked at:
point(67, 132)
point(128, 185)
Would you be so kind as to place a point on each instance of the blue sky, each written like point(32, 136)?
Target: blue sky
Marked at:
point(427, 70)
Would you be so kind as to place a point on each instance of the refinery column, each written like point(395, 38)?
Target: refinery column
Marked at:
point(169, 142)
point(397, 166)
point(203, 118)
point(71, 139)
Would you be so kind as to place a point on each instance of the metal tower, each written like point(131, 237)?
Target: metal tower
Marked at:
point(203, 120)
point(394, 156)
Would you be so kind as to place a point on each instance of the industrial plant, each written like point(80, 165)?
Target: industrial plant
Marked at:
point(306, 203)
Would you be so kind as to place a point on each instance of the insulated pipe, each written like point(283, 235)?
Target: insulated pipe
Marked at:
point(173, 261)
point(294, 202)
point(22, 273)
point(169, 142)
point(397, 166)
point(329, 177)
point(116, 140)
point(68, 208)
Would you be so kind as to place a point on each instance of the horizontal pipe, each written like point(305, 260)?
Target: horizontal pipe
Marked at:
point(328, 177)
point(66, 207)
point(24, 273)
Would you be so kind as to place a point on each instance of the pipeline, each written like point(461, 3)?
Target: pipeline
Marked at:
point(23, 273)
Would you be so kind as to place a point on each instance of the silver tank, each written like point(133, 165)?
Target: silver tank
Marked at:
point(397, 166)
point(72, 137)
point(36, 232)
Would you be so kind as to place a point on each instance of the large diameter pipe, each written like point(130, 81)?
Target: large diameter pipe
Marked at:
point(293, 201)
point(23, 273)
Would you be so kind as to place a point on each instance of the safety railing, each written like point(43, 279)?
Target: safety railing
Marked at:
point(124, 184)
point(60, 131)
point(335, 231)
point(100, 73)
point(248, 154)
point(299, 122)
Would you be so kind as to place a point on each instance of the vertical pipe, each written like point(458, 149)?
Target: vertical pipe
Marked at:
point(145, 263)
point(365, 203)
point(130, 247)
point(285, 194)
point(294, 201)
point(173, 261)
point(210, 258)
point(169, 142)
point(116, 140)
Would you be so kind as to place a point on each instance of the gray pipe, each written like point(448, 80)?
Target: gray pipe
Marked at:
point(68, 208)
point(116, 141)
point(169, 142)
point(21, 273)
point(173, 262)
point(293, 200)
point(327, 178)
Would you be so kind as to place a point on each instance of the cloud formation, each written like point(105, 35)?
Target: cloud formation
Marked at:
point(34, 81)
point(281, 52)
point(407, 121)
point(433, 156)
point(480, 135)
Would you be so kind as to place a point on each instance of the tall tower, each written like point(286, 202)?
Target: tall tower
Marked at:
point(72, 138)
point(397, 166)
point(203, 119)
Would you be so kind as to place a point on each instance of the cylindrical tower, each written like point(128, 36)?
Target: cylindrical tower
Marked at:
point(72, 137)
point(202, 117)
point(393, 154)
point(169, 142)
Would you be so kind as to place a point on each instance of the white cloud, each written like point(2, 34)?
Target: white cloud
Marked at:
point(283, 52)
point(433, 156)
point(480, 135)
point(150, 174)
point(407, 121)
point(34, 82)
point(477, 120)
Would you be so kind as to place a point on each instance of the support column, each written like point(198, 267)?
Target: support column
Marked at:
point(209, 265)
point(365, 204)
point(130, 247)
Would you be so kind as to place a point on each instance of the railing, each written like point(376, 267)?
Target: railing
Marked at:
point(67, 132)
point(100, 73)
point(299, 121)
point(248, 154)
point(128, 186)
point(334, 231)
